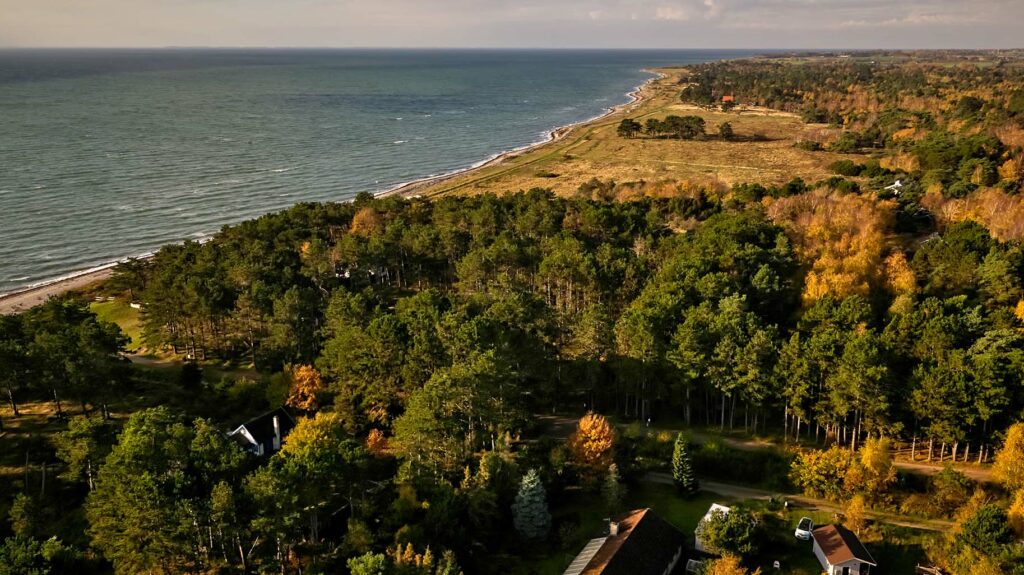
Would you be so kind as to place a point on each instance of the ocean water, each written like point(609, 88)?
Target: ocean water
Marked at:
point(109, 154)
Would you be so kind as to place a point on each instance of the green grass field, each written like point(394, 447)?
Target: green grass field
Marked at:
point(125, 316)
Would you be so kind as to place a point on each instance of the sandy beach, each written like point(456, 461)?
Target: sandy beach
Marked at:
point(22, 300)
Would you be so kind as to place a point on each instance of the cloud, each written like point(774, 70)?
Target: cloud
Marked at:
point(671, 13)
point(513, 23)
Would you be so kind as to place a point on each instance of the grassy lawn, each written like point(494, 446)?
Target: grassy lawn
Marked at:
point(125, 316)
point(596, 149)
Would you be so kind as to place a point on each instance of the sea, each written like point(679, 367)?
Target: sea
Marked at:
point(107, 154)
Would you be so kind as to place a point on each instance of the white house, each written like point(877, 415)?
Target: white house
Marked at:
point(263, 435)
point(840, 552)
point(715, 508)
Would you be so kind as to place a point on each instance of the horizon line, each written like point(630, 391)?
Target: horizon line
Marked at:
point(517, 48)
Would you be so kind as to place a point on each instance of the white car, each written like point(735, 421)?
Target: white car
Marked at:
point(804, 528)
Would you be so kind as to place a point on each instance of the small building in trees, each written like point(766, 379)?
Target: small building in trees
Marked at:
point(729, 99)
point(840, 552)
point(638, 543)
point(697, 543)
point(263, 435)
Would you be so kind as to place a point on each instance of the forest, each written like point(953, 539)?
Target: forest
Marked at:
point(418, 341)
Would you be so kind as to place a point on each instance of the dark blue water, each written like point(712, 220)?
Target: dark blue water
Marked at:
point(107, 154)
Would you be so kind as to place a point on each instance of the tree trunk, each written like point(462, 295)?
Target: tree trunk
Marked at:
point(14, 404)
point(687, 406)
point(913, 446)
point(931, 443)
point(722, 424)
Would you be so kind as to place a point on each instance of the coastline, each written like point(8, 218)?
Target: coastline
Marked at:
point(19, 301)
point(23, 299)
point(636, 97)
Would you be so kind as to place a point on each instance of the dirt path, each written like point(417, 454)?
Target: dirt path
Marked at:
point(803, 502)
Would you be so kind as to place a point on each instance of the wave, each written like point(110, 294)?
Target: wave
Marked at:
point(546, 136)
point(400, 141)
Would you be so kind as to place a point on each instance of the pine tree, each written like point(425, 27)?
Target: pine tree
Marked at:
point(682, 469)
point(530, 510)
point(612, 490)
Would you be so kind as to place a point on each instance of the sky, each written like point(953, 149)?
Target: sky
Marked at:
point(808, 24)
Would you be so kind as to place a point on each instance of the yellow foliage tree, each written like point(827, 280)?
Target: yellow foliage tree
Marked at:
point(898, 275)
point(1016, 513)
point(306, 386)
point(366, 222)
point(376, 443)
point(728, 565)
point(856, 514)
point(842, 238)
point(874, 471)
point(978, 499)
point(591, 444)
point(1019, 310)
point(1008, 468)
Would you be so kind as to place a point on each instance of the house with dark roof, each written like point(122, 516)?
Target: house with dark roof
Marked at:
point(840, 552)
point(638, 543)
point(263, 435)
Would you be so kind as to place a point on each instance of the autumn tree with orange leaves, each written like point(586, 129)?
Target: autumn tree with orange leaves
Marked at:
point(592, 444)
point(306, 386)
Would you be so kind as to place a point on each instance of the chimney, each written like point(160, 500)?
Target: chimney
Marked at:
point(613, 528)
point(277, 433)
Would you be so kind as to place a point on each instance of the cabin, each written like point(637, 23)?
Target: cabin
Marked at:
point(263, 435)
point(840, 552)
point(697, 543)
point(637, 543)
point(729, 99)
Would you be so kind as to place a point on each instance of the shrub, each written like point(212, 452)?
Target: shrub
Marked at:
point(768, 468)
point(846, 168)
point(808, 145)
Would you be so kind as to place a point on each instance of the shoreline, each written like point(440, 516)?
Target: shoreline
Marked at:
point(19, 301)
point(636, 97)
point(31, 296)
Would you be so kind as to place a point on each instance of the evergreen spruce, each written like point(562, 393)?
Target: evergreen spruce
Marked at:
point(530, 510)
point(682, 469)
point(613, 490)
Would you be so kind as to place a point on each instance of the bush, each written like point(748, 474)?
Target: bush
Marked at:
point(959, 190)
point(846, 168)
point(768, 468)
point(821, 473)
point(848, 143)
point(808, 145)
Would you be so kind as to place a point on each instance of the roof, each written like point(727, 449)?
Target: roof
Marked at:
point(261, 428)
point(580, 562)
point(645, 545)
point(711, 511)
point(728, 98)
point(840, 545)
